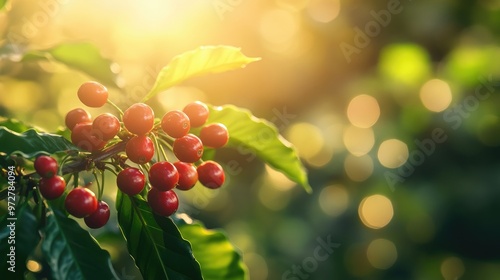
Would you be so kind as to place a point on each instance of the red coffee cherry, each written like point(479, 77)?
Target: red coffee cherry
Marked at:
point(106, 126)
point(188, 148)
point(175, 123)
point(140, 149)
point(76, 116)
point(80, 202)
point(83, 137)
point(53, 187)
point(45, 166)
point(131, 181)
point(139, 119)
point(163, 176)
point(214, 135)
point(211, 174)
point(163, 203)
point(93, 94)
point(188, 176)
point(197, 113)
point(100, 216)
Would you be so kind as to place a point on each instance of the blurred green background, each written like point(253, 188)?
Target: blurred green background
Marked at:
point(392, 105)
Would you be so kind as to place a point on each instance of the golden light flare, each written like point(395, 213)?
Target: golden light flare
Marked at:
point(363, 111)
point(436, 95)
point(382, 253)
point(307, 138)
point(358, 141)
point(323, 11)
point(333, 200)
point(376, 211)
point(358, 169)
point(393, 153)
point(33, 266)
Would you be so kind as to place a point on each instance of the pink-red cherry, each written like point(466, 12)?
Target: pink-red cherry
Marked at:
point(131, 181)
point(188, 148)
point(197, 113)
point(214, 135)
point(46, 166)
point(76, 116)
point(163, 176)
point(140, 149)
point(93, 94)
point(163, 203)
point(188, 176)
point(175, 123)
point(211, 174)
point(106, 126)
point(80, 202)
point(53, 187)
point(139, 119)
point(100, 216)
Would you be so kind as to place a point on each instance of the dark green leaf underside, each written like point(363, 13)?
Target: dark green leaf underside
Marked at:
point(154, 242)
point(72, 253)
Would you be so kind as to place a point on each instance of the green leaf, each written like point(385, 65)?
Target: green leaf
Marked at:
point(203, 60)
point(218, 258)
point(154, 242)
point(2, 3)
point(14, 124)
point(71, 252)
point(262, 138)
point(84, 57)
point(26, 238)
point(32, 143)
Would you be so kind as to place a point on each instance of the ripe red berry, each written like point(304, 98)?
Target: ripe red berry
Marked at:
point(80, 202)
point(140, 149)
point(175, 123)
point(188, 176)
point(130, 181)
point(197, 113)
point(45, 166)
point(211, 174)
point(84, 137)
point(163, 176)
point(76, 116)
point(106, 126)
point(188, 148)
point(163, 203)
point(214, 135)
point(139, 119)
point(99, 217)
point(93, 94)
point(53, 187)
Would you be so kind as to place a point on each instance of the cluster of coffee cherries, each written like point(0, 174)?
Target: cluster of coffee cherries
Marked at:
point(146, 141)
point(80, 202)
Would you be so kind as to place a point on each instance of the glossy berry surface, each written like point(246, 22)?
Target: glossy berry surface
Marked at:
point(211, 174)
point(163, 176)
point(46, 166)
point(140, 149)
point(188, 148)
point(163, 203)
point(83, 137)
point(76, 116)
point(80, 202)
point(139, 119)
point(188, 176)
point(175, 123)
point(197, 113)
point(53, 187)
point(214, 135)
point(93, 94)
point(131, 181)
point(100, 216)
point(106, 126)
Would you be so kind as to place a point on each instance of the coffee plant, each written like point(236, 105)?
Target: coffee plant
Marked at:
point(151, 155)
